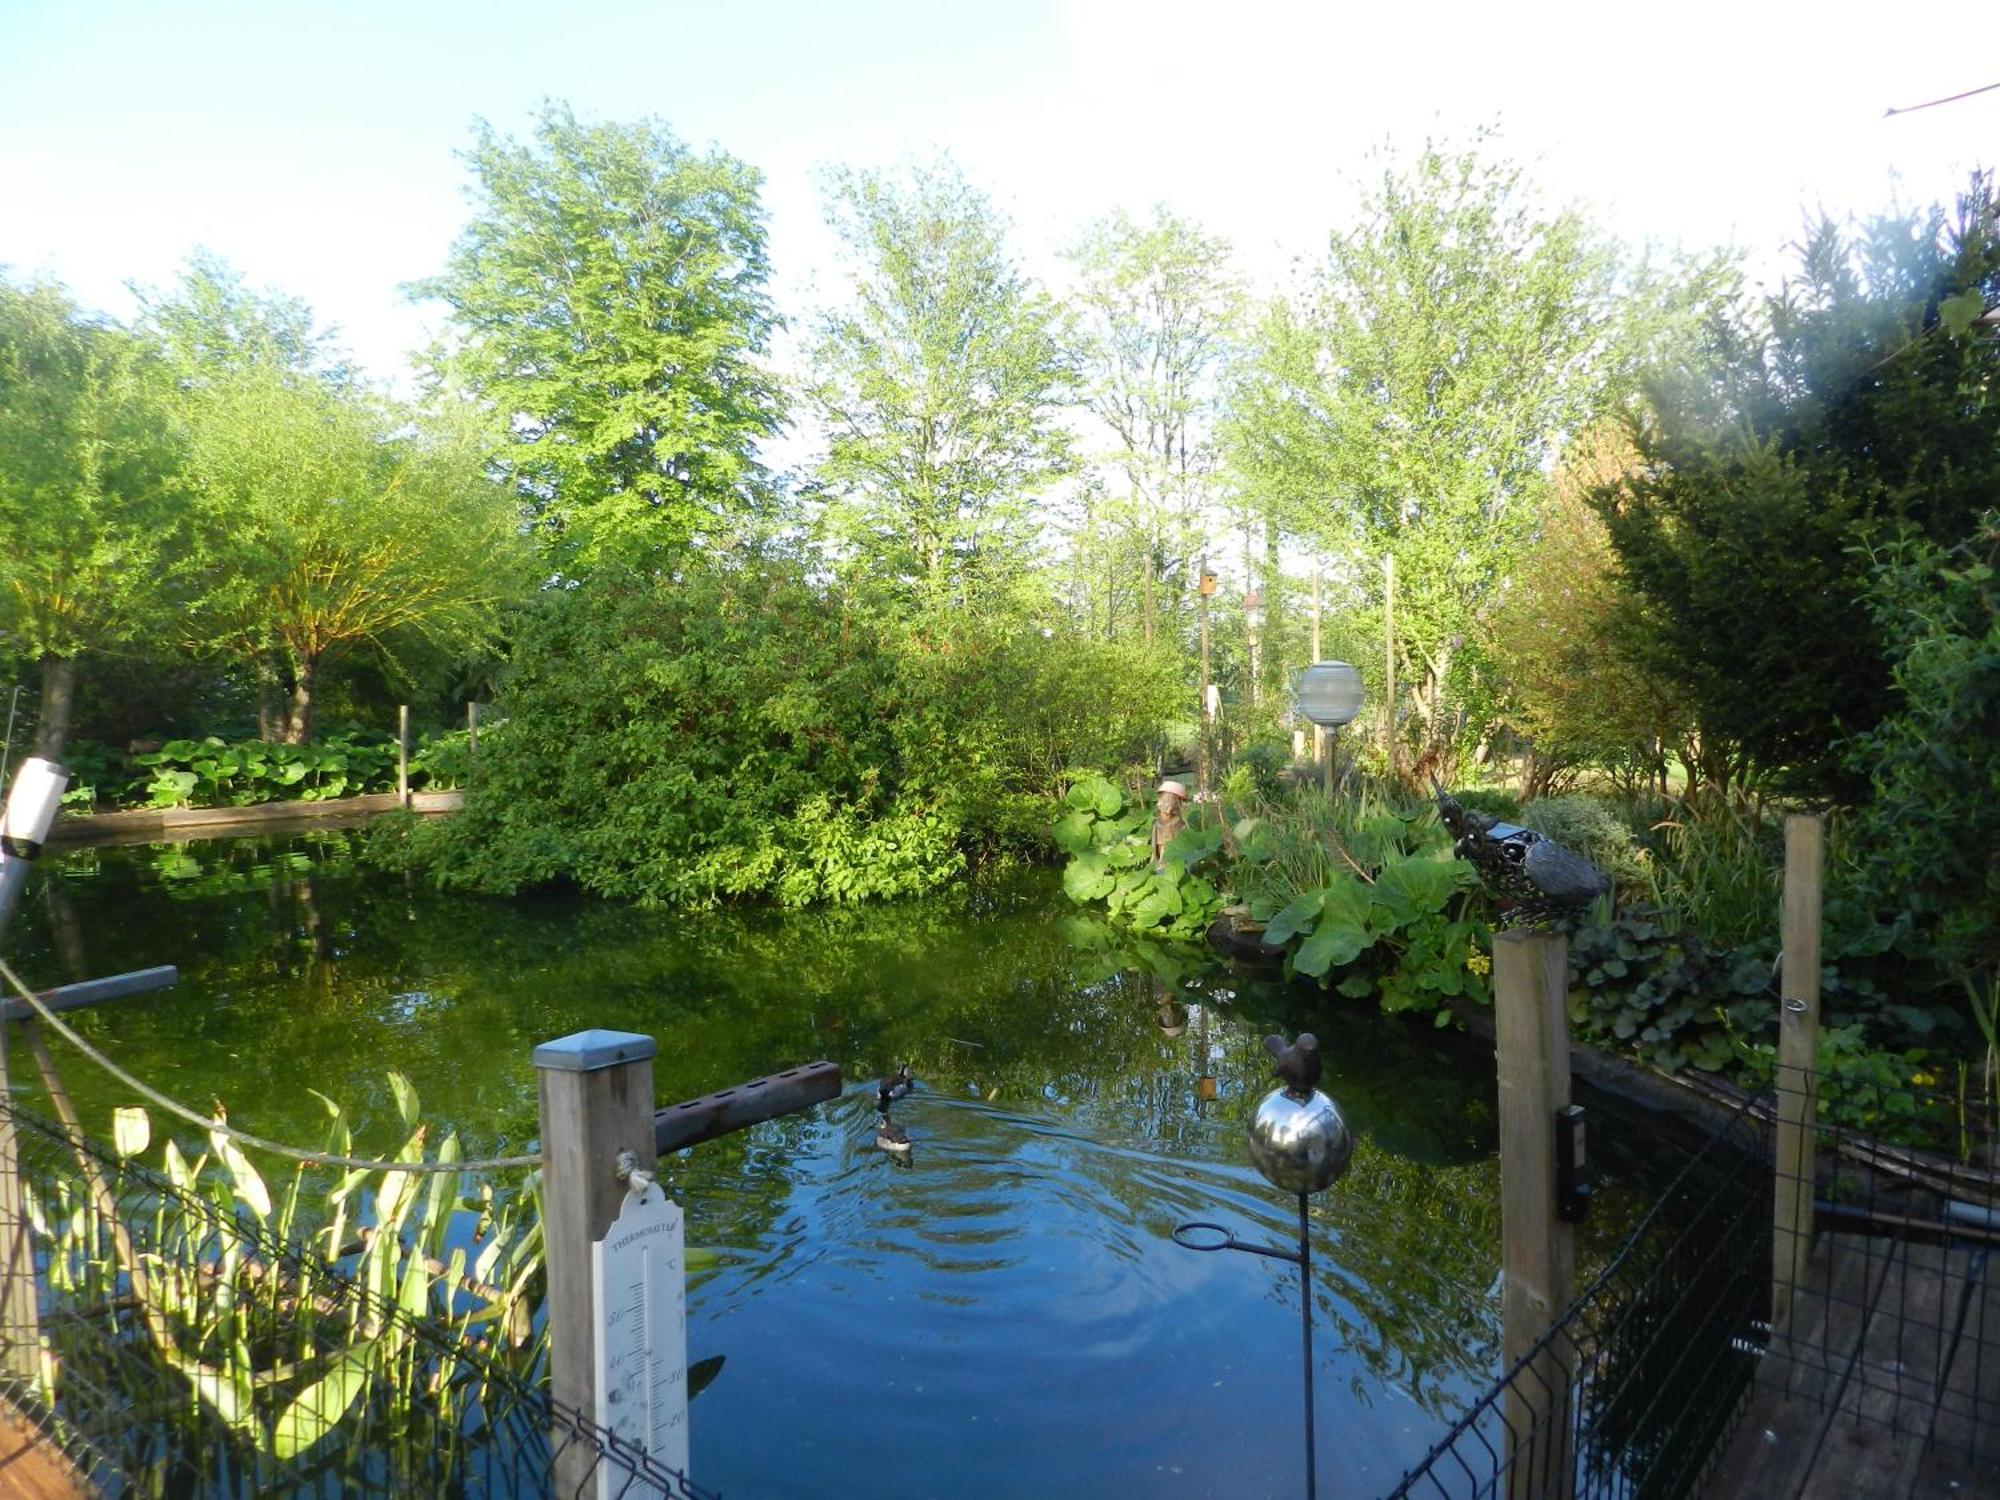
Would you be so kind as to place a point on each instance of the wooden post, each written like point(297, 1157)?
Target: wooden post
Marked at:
point(1798, 1061)
point(472, 726)
point(20, 1319)
point(403, 753)
point(1389, 678)
point(597, 1101)
point(1202, 590)
point(1538, 1251)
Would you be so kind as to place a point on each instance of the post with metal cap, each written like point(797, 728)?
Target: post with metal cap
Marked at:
point(597, 1101)
point(1538, 1248)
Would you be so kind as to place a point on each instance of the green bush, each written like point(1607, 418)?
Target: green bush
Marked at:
point(731, 734)
point(1589, 826)
point(1108, 835)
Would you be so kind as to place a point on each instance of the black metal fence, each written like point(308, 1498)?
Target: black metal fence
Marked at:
point(164, 1346)
point(1893, 1325)
point(1636, 1385)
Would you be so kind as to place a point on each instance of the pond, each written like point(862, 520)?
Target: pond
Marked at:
point(1005, 1314)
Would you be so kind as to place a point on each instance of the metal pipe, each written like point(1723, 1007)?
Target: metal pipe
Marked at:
point(93, 991)
point(1306, 1321)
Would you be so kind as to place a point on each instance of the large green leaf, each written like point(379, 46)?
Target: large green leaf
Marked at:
point(1191, 846)
point(1414, 886)
point(1341, 934)
point(1294, 919)
point(320, 1406)
point(1072, 832)
point(1087, 877)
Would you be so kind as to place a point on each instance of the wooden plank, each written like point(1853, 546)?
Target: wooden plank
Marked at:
point(34, 1468)
point(1964, 1456)
point(95, 991)
point(1538, 1254)
point(704, 1119)
point(1798, 1060)
point(138, 824)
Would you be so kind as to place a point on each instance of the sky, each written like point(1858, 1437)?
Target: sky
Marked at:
point(314, 145)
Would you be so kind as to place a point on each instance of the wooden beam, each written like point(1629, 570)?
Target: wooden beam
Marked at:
point(94, 991)
point(760, 1099)
point(1538, 1250)
point(1798, 1061)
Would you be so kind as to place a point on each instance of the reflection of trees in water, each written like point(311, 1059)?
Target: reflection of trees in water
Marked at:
point(311, 970)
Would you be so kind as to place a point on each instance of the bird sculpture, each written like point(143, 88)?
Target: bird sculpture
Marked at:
point(1541, 883)
point(890, 1136)
point(1296, 1065)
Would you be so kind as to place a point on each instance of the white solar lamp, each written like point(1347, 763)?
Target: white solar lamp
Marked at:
point(1330, 695)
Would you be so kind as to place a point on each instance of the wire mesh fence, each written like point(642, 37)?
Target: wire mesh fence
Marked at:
point(160, 1344)
point(1893, 1322)
point(1632, 1390)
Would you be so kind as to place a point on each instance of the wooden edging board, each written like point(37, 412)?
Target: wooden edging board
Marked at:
point(146, 823)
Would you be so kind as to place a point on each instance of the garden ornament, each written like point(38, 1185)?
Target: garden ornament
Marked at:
point(1168, 819)
point(1539, 881)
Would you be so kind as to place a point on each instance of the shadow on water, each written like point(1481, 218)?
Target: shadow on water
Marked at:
point(1005, 1313)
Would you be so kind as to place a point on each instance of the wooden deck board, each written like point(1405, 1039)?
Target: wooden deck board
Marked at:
point(32, 1467)
point(1875, 1387)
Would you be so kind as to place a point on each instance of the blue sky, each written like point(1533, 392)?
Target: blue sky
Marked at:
point(313, 144)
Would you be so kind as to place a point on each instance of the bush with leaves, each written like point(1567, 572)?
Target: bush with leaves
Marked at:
point(1108, 836)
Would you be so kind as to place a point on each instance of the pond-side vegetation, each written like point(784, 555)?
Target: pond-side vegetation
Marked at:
point(1019, 1266)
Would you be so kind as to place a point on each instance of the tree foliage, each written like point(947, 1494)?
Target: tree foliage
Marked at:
point(608, 301)
point(939, 386)
point(90, 539)
point(732, 732)
point(1860, 398)
point(1413, 399)
point(335, 522)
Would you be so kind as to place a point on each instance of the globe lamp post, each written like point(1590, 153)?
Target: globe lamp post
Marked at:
point(1330, 695)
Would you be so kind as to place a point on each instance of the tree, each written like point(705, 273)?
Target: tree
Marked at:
point(91, 531)
point(939, 388)
point(1412, 402)
point(1153, 306)
point(212, 323)
point(335, 522)
point(1862, 398)
point(608, 301)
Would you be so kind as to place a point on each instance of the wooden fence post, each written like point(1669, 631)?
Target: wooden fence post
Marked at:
point(20, 1319)
point(596, 1092)
point(403, 754)
point(472, 727)
point(1798, 1061)
point(1538, 1251)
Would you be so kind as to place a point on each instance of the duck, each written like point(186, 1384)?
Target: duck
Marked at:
point(890, 1136)
point(894, 1087)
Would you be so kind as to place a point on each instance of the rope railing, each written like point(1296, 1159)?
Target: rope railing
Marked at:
point(243, 1137)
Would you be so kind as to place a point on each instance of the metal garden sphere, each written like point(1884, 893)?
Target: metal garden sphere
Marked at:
point(1330, 693)
point(1302, 1147)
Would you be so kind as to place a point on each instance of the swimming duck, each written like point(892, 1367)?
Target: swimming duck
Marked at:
point(894, 1087)
point(890, 1136)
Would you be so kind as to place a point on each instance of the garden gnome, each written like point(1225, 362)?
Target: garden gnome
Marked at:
point(1168, 819)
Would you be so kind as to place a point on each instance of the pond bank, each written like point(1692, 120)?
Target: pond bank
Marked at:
point(152, 825)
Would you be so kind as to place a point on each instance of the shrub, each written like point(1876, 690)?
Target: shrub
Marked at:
point(1588, 826)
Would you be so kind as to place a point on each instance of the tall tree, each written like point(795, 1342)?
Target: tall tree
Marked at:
point(212, 322)
point(90, 529)
point(939, 386)
point(608, 300)
point(1412, 401)
point(1862, 398)
point(1152, 306)
point(337, 522)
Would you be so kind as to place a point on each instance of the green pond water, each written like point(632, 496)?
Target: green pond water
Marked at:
point(1004, 1315)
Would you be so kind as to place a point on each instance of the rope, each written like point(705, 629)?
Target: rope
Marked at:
point(244, 1137)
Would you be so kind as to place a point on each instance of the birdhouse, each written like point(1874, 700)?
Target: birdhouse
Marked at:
point(1207, 584)
point(1329, 693)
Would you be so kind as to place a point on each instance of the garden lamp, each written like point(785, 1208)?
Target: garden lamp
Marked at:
point(1329, 694)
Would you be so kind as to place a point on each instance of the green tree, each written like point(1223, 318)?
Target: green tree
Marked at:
point(1413, 401)
point(91, 528)
point(212, 323)
point(608, 301)
point(335, 522)
point(1861, 398)
point(1152, 309)
point(939, 388)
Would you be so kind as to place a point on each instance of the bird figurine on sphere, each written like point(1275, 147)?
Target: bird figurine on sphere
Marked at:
point(1539, 881)
point(1296, 1065)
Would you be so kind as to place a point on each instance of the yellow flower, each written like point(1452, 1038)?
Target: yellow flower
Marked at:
point(1479, 963)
